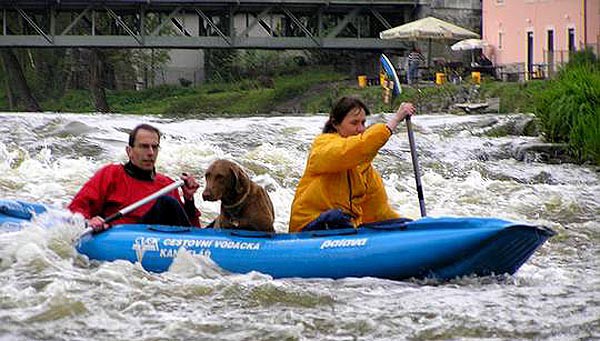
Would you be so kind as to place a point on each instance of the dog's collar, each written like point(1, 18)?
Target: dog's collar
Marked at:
point(239, 202)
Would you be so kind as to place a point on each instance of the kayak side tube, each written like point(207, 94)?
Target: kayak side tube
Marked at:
point(506, 252)
point(430, 247)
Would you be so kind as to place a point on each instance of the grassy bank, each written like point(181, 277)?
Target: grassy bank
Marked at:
point(312, 91)
point(569, 109)
point(244, 97)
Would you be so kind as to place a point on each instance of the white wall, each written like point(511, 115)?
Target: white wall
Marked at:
point(189, 64)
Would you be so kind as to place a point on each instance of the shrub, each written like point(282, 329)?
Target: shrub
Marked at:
point(569, 109)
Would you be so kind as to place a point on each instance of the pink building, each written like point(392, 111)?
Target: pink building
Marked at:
point(532, 37)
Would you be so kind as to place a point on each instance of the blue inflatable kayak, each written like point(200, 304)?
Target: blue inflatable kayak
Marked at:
point(15, 212)
point(441, 248)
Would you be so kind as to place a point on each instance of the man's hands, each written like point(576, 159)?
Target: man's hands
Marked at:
point(190, 187)
point(97, 224)
point(406, 109)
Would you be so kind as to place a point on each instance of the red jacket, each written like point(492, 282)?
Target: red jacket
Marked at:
point(112, 189)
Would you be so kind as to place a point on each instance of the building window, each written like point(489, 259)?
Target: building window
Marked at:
point(550, 44)
point(571, 39)
point(530, 46)
point(500, 40)
point(550, 53)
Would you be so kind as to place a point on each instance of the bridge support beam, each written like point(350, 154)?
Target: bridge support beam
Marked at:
point(268, 24)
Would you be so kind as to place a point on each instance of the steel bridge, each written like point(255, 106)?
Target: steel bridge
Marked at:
point(199, 24)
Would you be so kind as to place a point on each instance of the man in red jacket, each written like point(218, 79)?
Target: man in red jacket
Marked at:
point(117, 186)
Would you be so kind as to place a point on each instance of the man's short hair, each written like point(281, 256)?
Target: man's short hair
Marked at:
point(142, 126)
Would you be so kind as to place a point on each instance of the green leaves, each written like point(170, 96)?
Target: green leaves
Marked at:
point(569, 109)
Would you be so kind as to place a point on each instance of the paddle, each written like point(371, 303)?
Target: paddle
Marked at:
point(388, 67)
point(415, 162)
point(135, 205)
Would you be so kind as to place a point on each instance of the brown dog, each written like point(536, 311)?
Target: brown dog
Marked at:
point(244, 204)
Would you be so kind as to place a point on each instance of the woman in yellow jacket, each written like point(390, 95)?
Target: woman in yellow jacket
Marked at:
point(340, 185)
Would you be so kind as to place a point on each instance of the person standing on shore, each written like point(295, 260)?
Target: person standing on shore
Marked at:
point(414, 60)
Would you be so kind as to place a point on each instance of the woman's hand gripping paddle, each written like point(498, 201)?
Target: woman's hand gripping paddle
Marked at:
point(390, 71)
point(135, 205)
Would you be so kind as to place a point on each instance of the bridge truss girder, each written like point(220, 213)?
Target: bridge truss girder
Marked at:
point(202, 24)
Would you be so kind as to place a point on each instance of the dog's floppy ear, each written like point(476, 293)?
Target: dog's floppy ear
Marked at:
point(241, 179)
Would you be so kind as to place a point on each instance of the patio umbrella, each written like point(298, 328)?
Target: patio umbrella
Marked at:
point(428, 28)
point(469, 44)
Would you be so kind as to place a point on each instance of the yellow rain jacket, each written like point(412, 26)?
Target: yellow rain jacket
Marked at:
point(339, 174)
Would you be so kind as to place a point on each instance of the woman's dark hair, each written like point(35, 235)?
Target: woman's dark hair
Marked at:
point(142, 126)
point(339, 111)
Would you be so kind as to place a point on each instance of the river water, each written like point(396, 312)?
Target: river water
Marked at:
point(50, 292)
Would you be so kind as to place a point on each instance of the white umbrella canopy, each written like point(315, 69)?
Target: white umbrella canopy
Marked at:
point(469, 44)
point(428, 28)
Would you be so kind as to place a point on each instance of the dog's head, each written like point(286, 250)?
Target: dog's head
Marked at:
point(224, 179)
